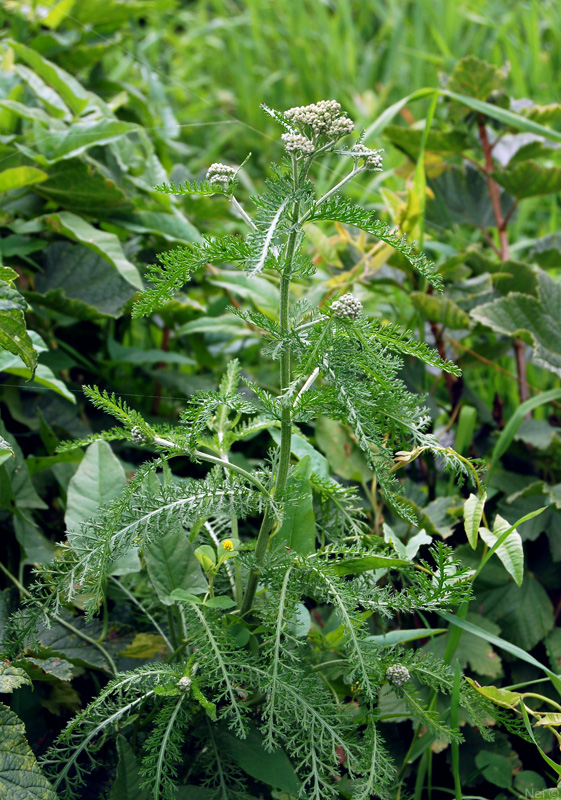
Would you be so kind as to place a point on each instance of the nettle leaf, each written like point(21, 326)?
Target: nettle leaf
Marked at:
point(409, 140)
point(79, 187)
point(473, 511)
point(476, 78)
point(20, 776)
point(461, 195)
point(128, 783)
point(539, 319)
point(547, 251)
point(510, 552)
point(497, 769)
point(529, 179)
point(441, 310)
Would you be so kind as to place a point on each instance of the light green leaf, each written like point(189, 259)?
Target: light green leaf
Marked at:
point(14, 476)
point(356, 566)
point(171, 227)
point(72, 92)
point(392, 638)
point(172, 564)
point(441, 310)
point(107, 245)
point(12, 678)
point(260, 291)
point(6, 450)
point(52, 100)
point(510, 552)
point(476, 78)
point(15, 338)
point(56, 145)
point(298, 528)
point(501, 697)
point(226, 325)
point(17, 177)
point(20, 776)
point(473, 511)
point(549, 719)
point(221, 601)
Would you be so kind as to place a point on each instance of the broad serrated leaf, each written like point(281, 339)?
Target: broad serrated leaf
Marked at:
point(476, 78)
point(536, 318)
point(20, 776)
point(529, 179)
point(473, 511)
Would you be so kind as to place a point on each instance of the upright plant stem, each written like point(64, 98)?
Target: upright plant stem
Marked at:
point(504, 250)
point(286, 415)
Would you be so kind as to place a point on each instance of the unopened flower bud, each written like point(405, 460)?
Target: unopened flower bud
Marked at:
point(137, 436)
point(397, 674)
point(184, 684)
point(371, 159)
point(347, 307)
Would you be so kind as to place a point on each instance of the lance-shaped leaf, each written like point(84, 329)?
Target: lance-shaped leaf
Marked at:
point(15, 338)
point(441, 310)
point(17, 177)
point(473, 511)
point(510, 551)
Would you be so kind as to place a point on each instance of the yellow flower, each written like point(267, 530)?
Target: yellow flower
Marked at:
point(228, 545)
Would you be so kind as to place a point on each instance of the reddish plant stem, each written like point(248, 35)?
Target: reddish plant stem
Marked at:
point(504, 250)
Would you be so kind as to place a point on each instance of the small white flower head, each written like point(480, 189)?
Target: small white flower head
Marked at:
point(296, 143)
point(184, 683)
point(371, 159)
point(321, 119)
point(220, 173)
point(137, 436)
point(397, 674)
point(347, 307)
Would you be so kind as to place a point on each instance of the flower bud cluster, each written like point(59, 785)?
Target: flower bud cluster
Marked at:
point(137, 436)
point(322, 119)
point(397, 674)
point(296, 143)
point(347, 307)
point(371, 159)
point(220, 173)
point(184, 684)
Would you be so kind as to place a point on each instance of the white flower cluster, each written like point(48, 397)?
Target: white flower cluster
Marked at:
point(397, 674)
point(323, 119)
point(137, 436)
point(295, 143)
point(347, 307)
point(184, 684)
point(220, 173)
point(370, 158)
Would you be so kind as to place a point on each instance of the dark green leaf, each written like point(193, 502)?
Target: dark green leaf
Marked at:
point(298, 528)
point(172, 564)
point(529, 179)
point(20, 776)
point(274, 769)
point(127, 783)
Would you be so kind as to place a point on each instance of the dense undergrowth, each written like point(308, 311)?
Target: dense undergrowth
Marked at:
point(110, 113)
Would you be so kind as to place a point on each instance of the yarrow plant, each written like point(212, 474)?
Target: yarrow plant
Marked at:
point(262, 547)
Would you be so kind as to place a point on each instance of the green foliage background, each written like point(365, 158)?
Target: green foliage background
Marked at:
point(100, 103)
